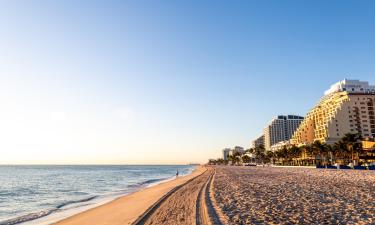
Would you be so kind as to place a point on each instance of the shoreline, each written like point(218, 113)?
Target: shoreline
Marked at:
point(127, 208)
point(69, 208)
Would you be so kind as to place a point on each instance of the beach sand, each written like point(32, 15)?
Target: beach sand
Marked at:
point(125, 210)
point(256, 195)
point(246, 195)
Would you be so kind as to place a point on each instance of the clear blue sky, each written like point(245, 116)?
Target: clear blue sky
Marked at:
point(167, 81)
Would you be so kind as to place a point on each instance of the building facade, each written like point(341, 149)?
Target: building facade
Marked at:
point(238, 149)
point(347, 107)
point(258, 141)
point(226, 152)
point(280, 145)
point(281, 128)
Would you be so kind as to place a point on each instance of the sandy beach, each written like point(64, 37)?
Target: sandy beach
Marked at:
point(256, 195)
point(127, 209)
point(246, 195)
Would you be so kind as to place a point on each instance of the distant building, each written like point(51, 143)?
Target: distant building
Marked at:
point(238, 149)
point(347, 107)
point(226, 153)
point(258, 141)
point(280, 145)
point(281, 128)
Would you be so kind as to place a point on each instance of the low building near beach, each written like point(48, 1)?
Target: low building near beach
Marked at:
point(280, 145)
point(369, 150)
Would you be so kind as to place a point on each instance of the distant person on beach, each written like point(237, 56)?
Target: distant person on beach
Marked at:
point(176, 173)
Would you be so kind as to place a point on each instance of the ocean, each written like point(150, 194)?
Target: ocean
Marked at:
point(42, 194)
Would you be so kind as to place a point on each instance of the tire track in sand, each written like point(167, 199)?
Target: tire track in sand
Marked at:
point(188, 204)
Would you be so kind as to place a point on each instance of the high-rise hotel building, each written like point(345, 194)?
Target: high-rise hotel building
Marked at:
point(258, 141)
point(347, 107)
point(281, 128)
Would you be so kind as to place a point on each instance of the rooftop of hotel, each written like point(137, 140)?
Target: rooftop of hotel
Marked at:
point(351, 86)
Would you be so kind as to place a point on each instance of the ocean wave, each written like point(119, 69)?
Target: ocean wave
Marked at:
point(152, 181)
point(55, 187)
point(43, 213)
point(28, 217)
point(75, 201)
point(146, 182)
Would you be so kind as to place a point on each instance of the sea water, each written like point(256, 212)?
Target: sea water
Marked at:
point(29, 193)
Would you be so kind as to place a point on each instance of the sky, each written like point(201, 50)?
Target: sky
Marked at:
point(167, 82)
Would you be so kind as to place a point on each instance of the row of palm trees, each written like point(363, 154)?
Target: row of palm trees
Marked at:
point(345, 151)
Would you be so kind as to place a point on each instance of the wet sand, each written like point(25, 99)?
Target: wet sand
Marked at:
point(127, 209)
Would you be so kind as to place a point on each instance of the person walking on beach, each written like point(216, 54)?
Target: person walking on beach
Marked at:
point(176, 173)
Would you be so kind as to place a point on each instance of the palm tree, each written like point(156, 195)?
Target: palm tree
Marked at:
point(309, 151)
point(352, 141)
point(341, 151)
point(319, 149)
point(246, 158)
point(236, 158)
point(294, 152)
point(269, 156)
point(250, 150)
point(259, 153)
point(282, 154)
point(329, 152)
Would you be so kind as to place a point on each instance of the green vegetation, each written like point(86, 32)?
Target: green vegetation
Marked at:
point(345, 151)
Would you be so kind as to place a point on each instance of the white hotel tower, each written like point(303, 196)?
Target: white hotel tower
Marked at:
point(281, 128)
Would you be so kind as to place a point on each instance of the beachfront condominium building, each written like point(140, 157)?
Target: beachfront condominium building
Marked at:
point(281, 128)
point(226, 152)
point(347, 107)
point(258, 141)
point(238, 149)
